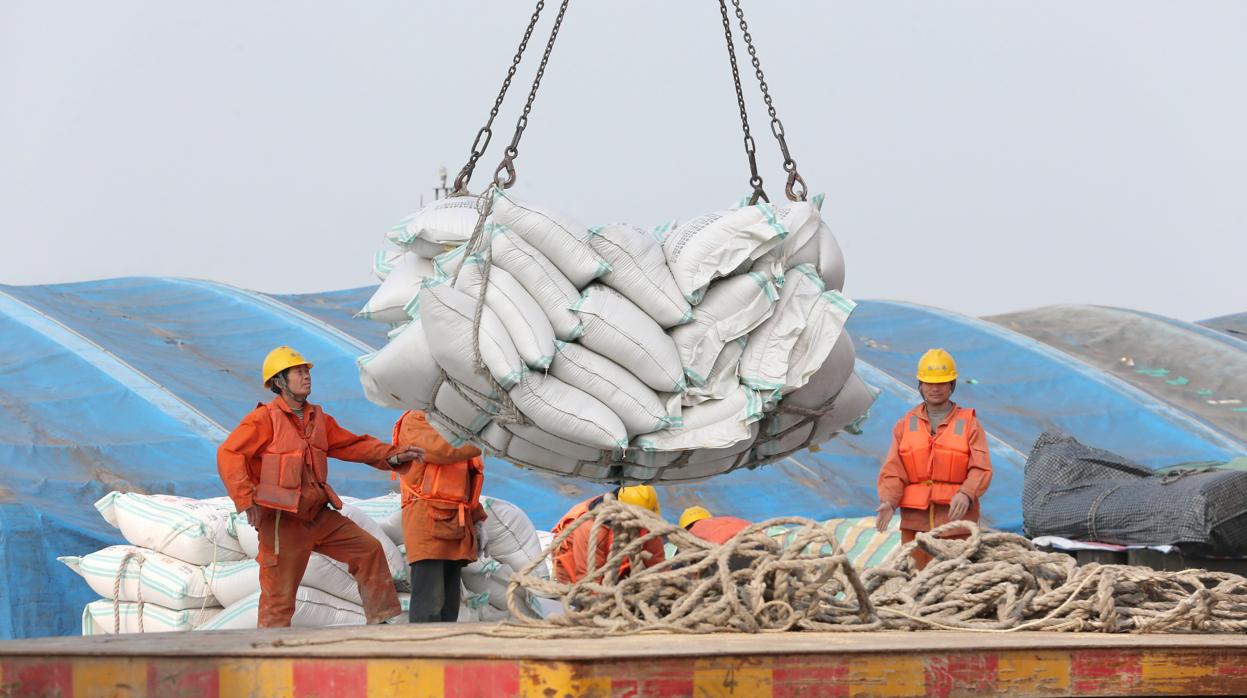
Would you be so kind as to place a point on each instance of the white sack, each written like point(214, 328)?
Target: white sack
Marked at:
point(393, 527)
point(539, 277)
point(824, 253)
point(465, 413)
point(233, 581)
point(511, 537)
point(398, 564)
point(97, 618)
point(850, 408)
point(769, 355)
point(562, 240)
point(448, 315)
point(520, 313)
point(639, 271)
point(636, 404)
point(617, 329)
point(547, 540)
point(553, 455)
point(447, 264)
point(559, 445)
point(313, 608)
point(383, 262)
point(151, 576)
point(732, 308)
point(701, 463)
point(716, 244)
point(567, 412)
point(846, 410)
point(712, 424)
point(389, 302)
point(723, 379)
point(445, 221)
point(489, 576)
point(801, 220)
point(401, 375)
point(194, 531)
point(377, 508)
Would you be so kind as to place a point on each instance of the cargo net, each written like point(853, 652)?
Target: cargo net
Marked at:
point(613, 353)
point(988, 582)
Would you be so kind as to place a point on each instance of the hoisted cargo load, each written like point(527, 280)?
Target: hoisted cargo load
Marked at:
point(612, 354)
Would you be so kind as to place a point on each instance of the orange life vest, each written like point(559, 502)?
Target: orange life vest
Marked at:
point(718, 529)
point(291, 457)
point(454, 484)
point(935, 465)
point(564, 559)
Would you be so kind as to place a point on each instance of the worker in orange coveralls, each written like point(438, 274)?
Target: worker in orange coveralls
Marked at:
point(715, 529)
point(938, 466)
point(275, 468)
point(571, 560)
point(442, 517)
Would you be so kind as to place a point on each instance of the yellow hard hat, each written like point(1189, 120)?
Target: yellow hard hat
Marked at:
point(280, 359)
point(937, 366)
point(692, 515)
point(642, 496)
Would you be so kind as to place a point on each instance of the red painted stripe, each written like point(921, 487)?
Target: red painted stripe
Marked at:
point(182, 678)
point(961, 674)
point(37, 677)
point(1102, 672)
point(344, 678)
point(659, 679)
point(809, 677)
point(482, 679)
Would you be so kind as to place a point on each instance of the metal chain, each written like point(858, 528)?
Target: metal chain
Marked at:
point(507, 166)
point(755, 180)
point(777, 126)
point(486, 131)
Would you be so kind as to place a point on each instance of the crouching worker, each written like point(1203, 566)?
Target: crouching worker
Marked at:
point(571, 560)
point(442, 517)
point(715, 529)
point(938, 465)
point(275, 468)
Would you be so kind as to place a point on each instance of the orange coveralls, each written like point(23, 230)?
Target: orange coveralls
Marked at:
point(571, 560)
point(718, 529)
point(288, 539)
point(893, 476)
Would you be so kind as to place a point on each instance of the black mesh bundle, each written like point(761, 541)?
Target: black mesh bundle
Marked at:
point(1083, 493)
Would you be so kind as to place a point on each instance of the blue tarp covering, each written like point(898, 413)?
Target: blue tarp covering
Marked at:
point(131, 384)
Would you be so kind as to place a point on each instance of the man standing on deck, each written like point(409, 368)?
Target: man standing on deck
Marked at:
point(275, 468)
point(938, 466)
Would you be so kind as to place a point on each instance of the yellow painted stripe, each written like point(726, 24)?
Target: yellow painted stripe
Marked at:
point(1166, 672)
point(259, 677)
point(1033, 672)
point(730, 676)
point(897, 676)
point(110, 678)
point(414, 678)
point(545, 679)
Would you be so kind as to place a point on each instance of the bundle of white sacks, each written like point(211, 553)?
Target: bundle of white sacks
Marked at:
point(190, 564)
point(657, 356)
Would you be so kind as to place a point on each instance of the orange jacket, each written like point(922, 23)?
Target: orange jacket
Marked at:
point(240, 457)
point(571, 560)
point(441, 496)
point(718, 529)
point(957, 451)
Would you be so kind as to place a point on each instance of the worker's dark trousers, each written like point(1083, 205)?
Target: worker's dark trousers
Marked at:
point(435, 591)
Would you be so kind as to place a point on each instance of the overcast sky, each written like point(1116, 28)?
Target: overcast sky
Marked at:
point(982, 156)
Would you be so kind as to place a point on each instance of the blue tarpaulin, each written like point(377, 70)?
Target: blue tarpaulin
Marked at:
point(131, 384)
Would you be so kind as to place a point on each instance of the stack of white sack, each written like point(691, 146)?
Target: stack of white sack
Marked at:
point(190, 564)
point(614, 353)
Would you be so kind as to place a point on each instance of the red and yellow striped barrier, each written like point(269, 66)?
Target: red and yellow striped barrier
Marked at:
point(1218, 670)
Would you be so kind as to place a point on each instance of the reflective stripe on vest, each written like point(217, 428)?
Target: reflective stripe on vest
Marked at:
point(289, 455)
point(935, 465)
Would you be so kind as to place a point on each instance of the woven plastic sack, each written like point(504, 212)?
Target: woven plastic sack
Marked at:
point(639, 271)
point(233, 581)
point(723, 379)
point(617, 329)
point(539, 277)
point(194, 531)
point(445, 221)
point(313, 608)
point(448, 315)
point(712, 424)
point(512, 538)
point(567, 412)
point(519, 312)
point(97, 618)
point(145, 574)
point(402, 374)
point(716, 244)
point(823, 251)
point(562, 240)
point(732, 308)
point(636, 404)
point(389, 302)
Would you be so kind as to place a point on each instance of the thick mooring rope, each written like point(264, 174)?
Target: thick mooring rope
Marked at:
point(988, 582)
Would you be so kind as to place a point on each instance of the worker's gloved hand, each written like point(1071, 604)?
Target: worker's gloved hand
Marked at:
point(883, 516)
point(482, 537)
point(958, 507)
point(409, 454)
point(253, 515)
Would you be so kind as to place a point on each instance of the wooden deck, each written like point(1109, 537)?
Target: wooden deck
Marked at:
point(463, 660)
